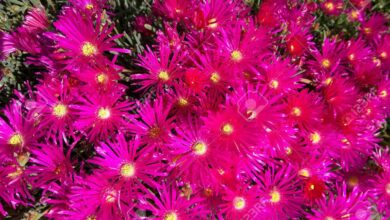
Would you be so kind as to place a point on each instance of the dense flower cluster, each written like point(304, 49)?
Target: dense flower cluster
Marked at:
point(242, 116)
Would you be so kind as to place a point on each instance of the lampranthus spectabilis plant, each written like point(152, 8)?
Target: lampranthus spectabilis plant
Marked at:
point(238, 112)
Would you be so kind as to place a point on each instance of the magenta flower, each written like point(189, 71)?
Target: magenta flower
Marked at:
point(128, 162)
point(81, 40)
point(337, 206)
point(101, 115)
point(170, 204)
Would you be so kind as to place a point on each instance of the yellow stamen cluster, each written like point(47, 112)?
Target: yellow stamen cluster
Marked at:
point(274, 84)
point(325, 63)
point(383, 55)
point(16, 139)
point(236, 55)
point(328, 81)
point(104, 113)
point(239, 203)
point(215, 77)
point(199, 148)
point(329, 6)
point(182, 102)
point(304, 172)
point(88, 49)
point(163, 75)
point(170, 216)
point(275, 196)
point(315, 137)
point(227, 129)
point(101, 78)
point(89, 6)
point(60, 110)
point(367, 30)
point(296, 111)
point(127, 170)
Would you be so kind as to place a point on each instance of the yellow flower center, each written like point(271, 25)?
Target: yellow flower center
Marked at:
point(104, 113)
point(236, 55)
point(182, 102)
point(304, 172)
point(227, 129)
point(170, 216)
point(215, 77)
point(275, 196)
point(212, 23)
point(367, 30)
point(325, 63)
point(163, 75)
point(239, 203)
point(60, 110)
point(199, 148)
point(296, 111)
point(354, 14)
point(315, 138)
point(383, 94)
point(88, 49)
point(110, 195)
point(329, 6)
point(101, 78)
point(312, 187)
point(89, 6)
point(376, 61)
point(16, 139)
point(274, 84)
point(328, 81)
point(127, 170)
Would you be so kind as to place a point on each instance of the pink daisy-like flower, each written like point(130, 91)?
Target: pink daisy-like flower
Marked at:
point(128, 162)
point(103, 77)
point(50, 163)
point(17, 129)
point(374, 27)
point(36, 20)
point(196, 155)
point(89, 7)
point(82, 41)
point(328, 60)
point(298, 40)
point(240, 203)
point(241, 49)
point(339, 94)
point(304, 109)
point(358, 52)
point(154, 123)
point(338, 206)
point(13, 182)
point(280, 193)
point(169, 204)
point(99, 116)
point(381, 192)
point(96, 198)
point(280, 76)
point(332, 7)
point(54, 107)
point(213, 15)
point(163, 67)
